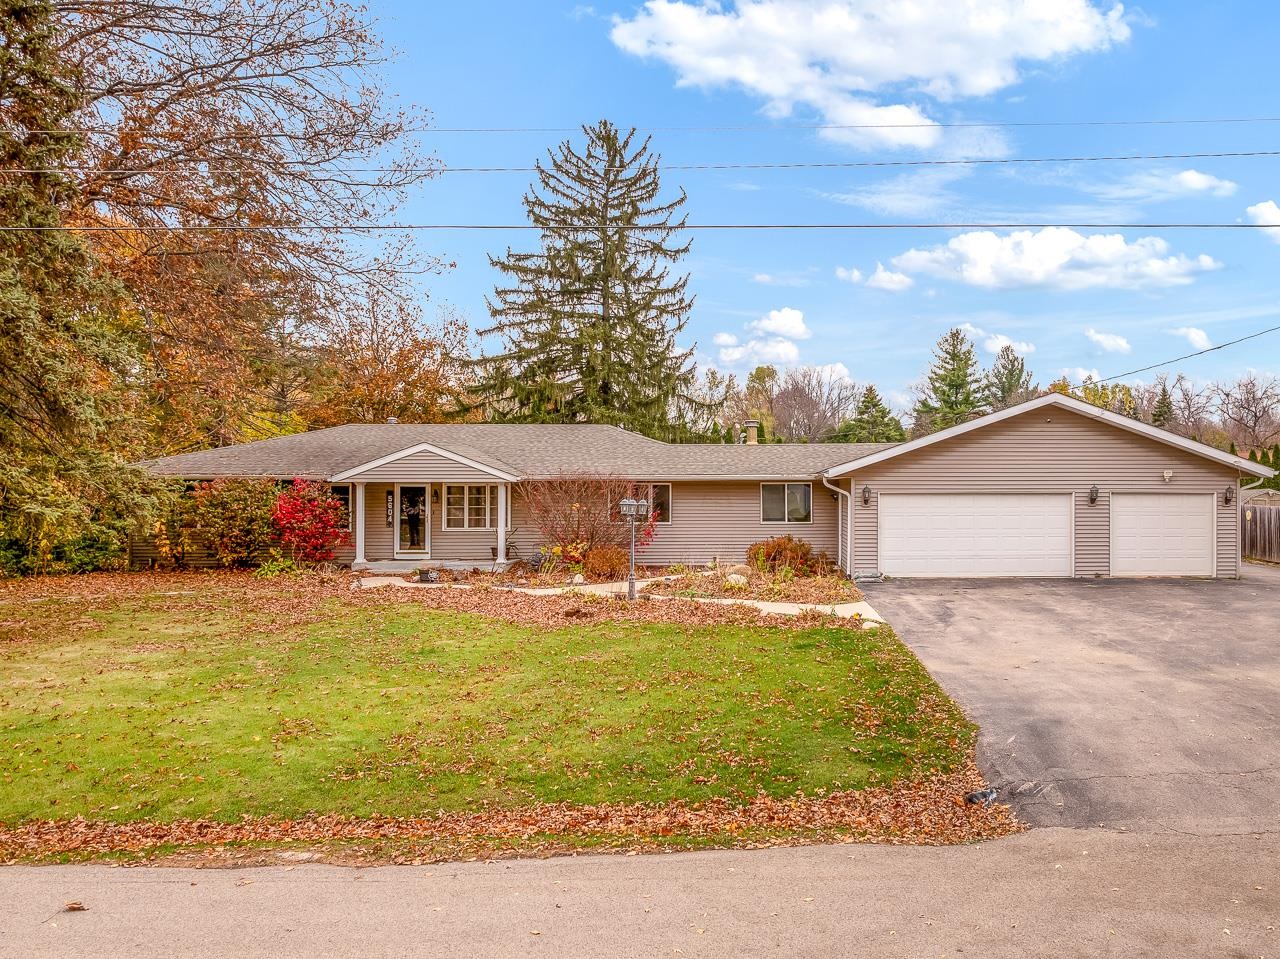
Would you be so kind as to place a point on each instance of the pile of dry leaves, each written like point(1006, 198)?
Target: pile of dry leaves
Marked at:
point(930, 812)
point(820, 590)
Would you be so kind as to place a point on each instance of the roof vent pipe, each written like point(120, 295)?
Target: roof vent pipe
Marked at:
point(753, 431)
point(392, 419)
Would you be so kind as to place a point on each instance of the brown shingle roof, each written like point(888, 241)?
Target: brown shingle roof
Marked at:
point(526, 450)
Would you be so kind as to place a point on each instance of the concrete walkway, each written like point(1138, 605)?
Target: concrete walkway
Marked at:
point(859, 610)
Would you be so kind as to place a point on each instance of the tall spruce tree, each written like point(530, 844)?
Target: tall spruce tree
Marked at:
point(589, 321)
point(1008, 382)
point(1162, 411)
point(872, 422)
point(952, 391)
point(65, 424)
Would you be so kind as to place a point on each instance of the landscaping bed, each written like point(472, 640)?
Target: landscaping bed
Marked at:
point(143, 713)
point(828, 589)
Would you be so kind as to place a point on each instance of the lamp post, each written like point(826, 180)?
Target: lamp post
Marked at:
point(633, 509)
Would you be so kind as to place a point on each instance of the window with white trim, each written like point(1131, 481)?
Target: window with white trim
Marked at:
point(471, 507)
point(786, 502)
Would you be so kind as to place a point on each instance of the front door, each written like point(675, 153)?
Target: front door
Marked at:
point(413, 526)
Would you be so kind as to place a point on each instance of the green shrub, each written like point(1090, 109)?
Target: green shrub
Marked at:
point(234, 518)
point(81, 554)
point(277, 565)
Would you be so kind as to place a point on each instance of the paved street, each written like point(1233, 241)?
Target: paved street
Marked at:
point(1135, 723)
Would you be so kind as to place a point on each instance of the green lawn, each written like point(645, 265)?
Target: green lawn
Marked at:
point(223, 703)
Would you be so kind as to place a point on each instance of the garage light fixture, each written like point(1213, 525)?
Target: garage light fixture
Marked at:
point(1229, 496)
point(1093, 495)
point(866, 496)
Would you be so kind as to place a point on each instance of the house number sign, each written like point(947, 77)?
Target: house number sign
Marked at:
point(391, 508)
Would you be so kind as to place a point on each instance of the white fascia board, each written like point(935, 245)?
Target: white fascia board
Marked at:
point(1066, 402)
point(355, 471)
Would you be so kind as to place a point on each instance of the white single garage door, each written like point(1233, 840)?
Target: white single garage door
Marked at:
point(983, 534)
point(1162, 534)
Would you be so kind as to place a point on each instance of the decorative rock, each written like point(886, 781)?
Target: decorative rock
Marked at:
point(578, 579)
point(736, 580)
point(739, 570)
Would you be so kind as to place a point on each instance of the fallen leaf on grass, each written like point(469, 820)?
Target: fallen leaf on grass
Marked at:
point(75, 906)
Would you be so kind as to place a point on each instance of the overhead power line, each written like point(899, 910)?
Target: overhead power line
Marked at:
point(802, 165)
point(767, 127)
point(1179, 359)
point(392, 227)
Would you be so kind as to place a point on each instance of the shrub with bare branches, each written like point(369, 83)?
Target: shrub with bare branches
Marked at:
point(578, 512)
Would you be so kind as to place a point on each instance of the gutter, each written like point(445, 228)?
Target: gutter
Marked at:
point(848, 533)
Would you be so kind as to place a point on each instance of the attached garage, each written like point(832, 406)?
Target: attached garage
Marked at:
point(1054, 487)
point(1162, 534)
point(984, 534)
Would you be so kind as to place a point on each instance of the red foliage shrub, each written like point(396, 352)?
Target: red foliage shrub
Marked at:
point(772, 554)
point(310, 521)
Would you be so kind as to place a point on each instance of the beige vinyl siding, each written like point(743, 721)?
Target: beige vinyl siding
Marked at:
point(423, 467)
point(1093, 534)
point(1050, 450)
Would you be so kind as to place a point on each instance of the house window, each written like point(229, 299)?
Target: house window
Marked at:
point(343, 495)
point(660, 502)
point(786, 502)
point(471, 507)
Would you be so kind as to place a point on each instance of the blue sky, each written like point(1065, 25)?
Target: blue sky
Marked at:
point(1102, 300)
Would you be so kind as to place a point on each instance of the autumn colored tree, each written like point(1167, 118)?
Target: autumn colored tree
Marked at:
point(219, 134)
point(389, 365)
point(233, 518)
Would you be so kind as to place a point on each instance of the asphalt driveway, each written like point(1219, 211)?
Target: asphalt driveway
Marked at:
point(1145, 705)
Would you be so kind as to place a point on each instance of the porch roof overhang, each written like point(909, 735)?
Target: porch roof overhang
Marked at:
point(354, 473)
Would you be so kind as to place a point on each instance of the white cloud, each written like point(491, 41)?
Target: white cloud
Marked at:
point(846, 59)
point(908, 194)
point(833, 371)
point(786, 322)
point(1110, 342)
point(1056, 258)
point(1266, 214)
point(758, 351)
point(849, 274)
point(1155, 186)
point(775, 279)
point(1078, 374)
point(995, 342)
point(883, 279)
point(770, 339)
point(1197, 337)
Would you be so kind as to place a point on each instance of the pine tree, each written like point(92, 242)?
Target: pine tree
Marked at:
point(1162, 412)
point(1008, 382)
point(64, 354)
point(873, 422)
point(589, 322)
point(952, 392)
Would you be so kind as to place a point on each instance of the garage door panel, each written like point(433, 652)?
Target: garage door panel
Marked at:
point(975, 534)
point(1162, 534)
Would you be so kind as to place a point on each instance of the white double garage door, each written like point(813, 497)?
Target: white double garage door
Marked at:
point(1031, 534)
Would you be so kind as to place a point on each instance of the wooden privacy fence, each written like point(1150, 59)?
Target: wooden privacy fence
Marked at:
point(1261, 531)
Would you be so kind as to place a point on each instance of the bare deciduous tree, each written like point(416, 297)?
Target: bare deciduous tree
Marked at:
point(811, 403)
point(1250, 410)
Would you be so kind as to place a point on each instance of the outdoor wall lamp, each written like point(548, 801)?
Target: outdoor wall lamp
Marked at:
point(1229, 496)
point(435, 497)
point(866, 496)
point(1093, 495)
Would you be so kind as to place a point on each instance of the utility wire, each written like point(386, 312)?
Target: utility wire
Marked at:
point(927, 125)
point(1179, 359)
point(822, 165)
point(377, 227)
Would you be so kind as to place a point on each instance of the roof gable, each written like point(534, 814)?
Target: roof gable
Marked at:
point(1066, 402)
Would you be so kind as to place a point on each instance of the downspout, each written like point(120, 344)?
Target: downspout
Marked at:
point(848, 524)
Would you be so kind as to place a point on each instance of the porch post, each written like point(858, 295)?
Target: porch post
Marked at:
point(502, 522)
point(359, 518)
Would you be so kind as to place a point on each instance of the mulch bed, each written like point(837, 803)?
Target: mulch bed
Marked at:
point(822, 590)
point(930, 812)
